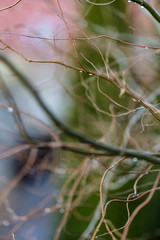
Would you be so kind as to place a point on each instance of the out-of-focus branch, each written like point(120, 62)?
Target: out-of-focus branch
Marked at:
point(142, 205)
point(149, 8)
point(153, 110)
point(112, 150)
point(131, 44)
point(14, 182)
point(16, 116)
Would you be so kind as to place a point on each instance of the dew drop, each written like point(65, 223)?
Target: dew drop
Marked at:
point(135, 159)
point(47, 210)
point(10, 109)
point(133, 99)
point(129, 0)
point(90, 74)
point(61, 210)
point(146, 48)
point(142, 6)
point(146, 172)
point(80, 71)
point(6, 223)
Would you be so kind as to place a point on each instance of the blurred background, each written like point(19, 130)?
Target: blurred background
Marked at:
point(50, 193)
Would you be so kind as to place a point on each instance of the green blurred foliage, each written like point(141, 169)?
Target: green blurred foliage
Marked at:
point(90, 115)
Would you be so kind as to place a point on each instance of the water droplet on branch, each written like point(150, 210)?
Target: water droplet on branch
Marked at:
point(6, 223)
point(61, 210)
point(10, 109)
point(135, 159)
point(47, 210)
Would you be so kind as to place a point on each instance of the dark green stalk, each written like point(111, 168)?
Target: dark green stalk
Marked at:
point(111, 150)
point(149, 8)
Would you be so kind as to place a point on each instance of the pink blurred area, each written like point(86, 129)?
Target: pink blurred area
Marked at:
point(39, 18)
point(31, 28)
point(144, 31)
point(140, 20)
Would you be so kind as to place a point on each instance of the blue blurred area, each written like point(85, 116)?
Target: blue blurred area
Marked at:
point(38, 188)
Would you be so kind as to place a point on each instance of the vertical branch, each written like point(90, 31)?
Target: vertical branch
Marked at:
point(82, 170)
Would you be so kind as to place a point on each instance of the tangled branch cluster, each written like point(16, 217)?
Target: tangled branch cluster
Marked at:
point(95, 167)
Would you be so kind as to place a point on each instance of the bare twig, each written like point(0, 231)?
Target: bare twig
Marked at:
point(114, 151)
point(13, 183)
point(153, 110)
point(10, 6)
point(82, 39)
point(143, 204)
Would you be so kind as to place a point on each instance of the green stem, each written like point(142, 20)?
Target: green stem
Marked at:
point(112, 150)
point(149, 8)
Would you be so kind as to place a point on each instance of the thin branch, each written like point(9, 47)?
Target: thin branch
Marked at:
point(149, 8)
point(122, 201)
point(82, 39)
point(153, 110)
point(33, 213)
point(142, 205)
point(10, 6)
point(27, 115)
point(114, 151)
point(13, 182)
point(69, 34)
point(103, 179)
point(16, 116)
point(100, 4)
point(83, 169)
point(73, 148)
